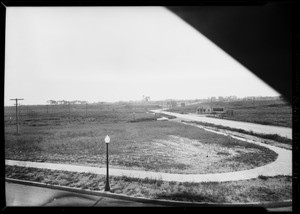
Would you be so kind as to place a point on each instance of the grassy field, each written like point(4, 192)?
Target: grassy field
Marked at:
point(267, 112)
point(136, 143)
point(273, 137)
point(41, 115)
point(261, 189)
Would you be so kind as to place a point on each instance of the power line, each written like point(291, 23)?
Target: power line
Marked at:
point(17, 114)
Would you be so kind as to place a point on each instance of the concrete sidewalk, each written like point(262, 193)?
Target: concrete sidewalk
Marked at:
point(276, 168)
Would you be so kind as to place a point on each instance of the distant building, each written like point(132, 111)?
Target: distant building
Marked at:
point(213, 99)
point(221, 98)
point(218, 110)
point(204, 109)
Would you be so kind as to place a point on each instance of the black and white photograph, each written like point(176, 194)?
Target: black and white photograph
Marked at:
point(148, 106)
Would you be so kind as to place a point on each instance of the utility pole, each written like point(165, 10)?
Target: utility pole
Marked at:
point(69, 112)
point(17, 114)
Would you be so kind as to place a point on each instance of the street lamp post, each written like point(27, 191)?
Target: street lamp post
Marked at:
point(107, 140)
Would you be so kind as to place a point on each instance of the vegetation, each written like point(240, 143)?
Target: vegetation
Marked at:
point(75, 135)
point(276, 188)
point(145, 144)
point(45, 115)
point(274, 137)
point(165, 115)
point(267, 112)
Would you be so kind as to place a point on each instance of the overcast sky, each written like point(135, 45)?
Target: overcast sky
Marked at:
point(112, 54)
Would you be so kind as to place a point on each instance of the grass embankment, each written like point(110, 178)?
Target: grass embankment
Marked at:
point(154, 145)
point(266, 112)
point(255, 190)
point(274, 137)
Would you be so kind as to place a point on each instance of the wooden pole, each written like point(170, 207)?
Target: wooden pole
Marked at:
point(17, 114)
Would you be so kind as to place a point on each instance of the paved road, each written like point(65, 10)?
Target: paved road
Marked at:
point(258, 128)
point(25, 195)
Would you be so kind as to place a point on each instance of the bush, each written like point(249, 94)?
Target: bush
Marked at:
point(143, 119)
point(263, 177)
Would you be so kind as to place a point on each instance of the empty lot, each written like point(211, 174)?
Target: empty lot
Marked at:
point(145, 144)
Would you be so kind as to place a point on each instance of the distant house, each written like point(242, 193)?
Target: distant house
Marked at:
point(218, 110)
point(205, 109)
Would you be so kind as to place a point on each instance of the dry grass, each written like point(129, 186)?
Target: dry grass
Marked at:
point(274, 137)
point(143, 145)
point(255, 190)
point(137, 142)
point(267, 112)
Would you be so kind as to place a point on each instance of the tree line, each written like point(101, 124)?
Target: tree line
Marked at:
point(58, 102)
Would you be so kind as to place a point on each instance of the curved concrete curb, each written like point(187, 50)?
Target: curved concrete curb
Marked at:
point(287, 203)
